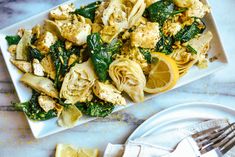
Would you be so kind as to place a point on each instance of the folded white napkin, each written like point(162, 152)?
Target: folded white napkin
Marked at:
point(156, 145)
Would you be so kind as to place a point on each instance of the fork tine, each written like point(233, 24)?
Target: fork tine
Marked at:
point(221, 140)
point(202, 134)
point(209, 132)
point(228, 147)
point(210, 138)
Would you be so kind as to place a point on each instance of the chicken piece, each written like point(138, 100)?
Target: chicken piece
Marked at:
point(146, 36)
point(24, 66)
point(46, 103)
point(40, 84)
point(76, 33)
point(109, 93)
point(129, 77)
point(48, 66)
point(197, 9)
point(62, 12)
point(37, 68)
point(45, 42)
point(78, 82)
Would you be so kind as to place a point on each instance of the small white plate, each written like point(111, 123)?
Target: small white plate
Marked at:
point(42, 129)
point(182, 116)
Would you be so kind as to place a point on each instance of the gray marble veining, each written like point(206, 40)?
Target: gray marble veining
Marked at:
point(15, 135)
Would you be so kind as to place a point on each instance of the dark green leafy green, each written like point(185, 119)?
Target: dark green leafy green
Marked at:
point(13, 40)
point(96, 108)
point(76, 51)
point(178, 11)
point(114, 46)
point(164, 45)
point(189, 32)
point(60, 57)
point(33, 110)
point(146, 53)
point(35, 54)
point(161, 10)
point(88, 11)
point(190, 49)
point(102, 54)
point(34, 39)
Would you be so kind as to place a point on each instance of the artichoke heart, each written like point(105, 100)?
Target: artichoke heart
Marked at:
point(69, 116)
point(77, 83)
point(129, 77)
point(121, 13)
point(40, 84)
point(21, 49)
point(109, 93)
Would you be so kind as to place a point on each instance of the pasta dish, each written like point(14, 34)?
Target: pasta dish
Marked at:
point(81, 61)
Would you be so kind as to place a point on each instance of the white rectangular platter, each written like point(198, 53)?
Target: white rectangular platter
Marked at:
point(45, 128)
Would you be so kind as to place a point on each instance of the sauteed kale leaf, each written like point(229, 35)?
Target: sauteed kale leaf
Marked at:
point(146, 53)
point(102, 54)
point(189, 32)
point(13, 40)
point(161, 10)
point(35, 54)
point(60, 57)
point(88, 11)
point(33, 110)
point(164, 45)
point(96, 108)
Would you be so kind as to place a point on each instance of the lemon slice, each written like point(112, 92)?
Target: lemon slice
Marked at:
point(164, 74)
point(65, 150)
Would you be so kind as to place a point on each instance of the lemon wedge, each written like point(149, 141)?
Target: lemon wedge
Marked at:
point(65, 150)
point(84, 152)
point(164, 74)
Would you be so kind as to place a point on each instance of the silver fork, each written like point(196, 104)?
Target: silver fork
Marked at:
point(215, 140)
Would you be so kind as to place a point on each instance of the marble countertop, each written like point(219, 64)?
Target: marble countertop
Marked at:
point(16, 138)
